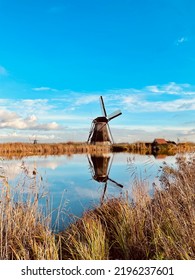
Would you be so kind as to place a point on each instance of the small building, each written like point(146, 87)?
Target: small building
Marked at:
point(160, 146)
point(160, 141)
point(160, 156)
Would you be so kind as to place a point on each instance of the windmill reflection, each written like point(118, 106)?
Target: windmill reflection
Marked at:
point(100, 166)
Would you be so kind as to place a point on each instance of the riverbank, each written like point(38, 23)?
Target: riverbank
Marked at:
point(20, 149)
point(158, 227)
point(42, 149)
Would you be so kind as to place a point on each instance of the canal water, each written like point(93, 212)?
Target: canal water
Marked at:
point(70, 185)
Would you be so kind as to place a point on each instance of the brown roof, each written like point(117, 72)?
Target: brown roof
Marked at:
point(160, 141)
point(160, 156)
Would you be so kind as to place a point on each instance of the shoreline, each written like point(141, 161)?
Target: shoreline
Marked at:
point(22, 149)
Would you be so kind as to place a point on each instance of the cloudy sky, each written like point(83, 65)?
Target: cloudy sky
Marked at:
point(58, 56)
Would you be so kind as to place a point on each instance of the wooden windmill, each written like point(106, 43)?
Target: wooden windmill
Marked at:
point(33, 140)
point(100, 132)
point(100, 168)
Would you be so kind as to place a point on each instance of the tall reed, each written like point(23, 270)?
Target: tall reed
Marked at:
point(25, 233)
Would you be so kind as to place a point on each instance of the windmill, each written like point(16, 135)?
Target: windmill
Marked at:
point(100, 132)
point(100, 168)
point(33, 139)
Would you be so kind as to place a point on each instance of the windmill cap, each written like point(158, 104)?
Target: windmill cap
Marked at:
point(101, 119)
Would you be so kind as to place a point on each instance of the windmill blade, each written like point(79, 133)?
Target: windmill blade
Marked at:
point(103, 106)
point(110, 164)
point(114, 182)
point(90, 163)
point(90, 132)
point(91, 168)
point(114, 115)
point(112, 139)
point(104, 191)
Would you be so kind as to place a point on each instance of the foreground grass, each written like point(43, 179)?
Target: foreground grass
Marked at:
point(162, 227)
point(24, 232)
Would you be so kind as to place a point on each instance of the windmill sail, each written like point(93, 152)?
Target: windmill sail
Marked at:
point(103, 106)
point(112, 139)
point(91, 131)
point(115, 183)
point(114, 115)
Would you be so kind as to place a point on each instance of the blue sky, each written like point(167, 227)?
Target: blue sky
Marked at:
point(58, 57)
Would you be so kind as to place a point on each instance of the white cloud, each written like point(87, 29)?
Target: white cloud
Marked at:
point(29, 106)
point(181, 40)
point(44, 89)
point(171, 88)
point(47, 126)
point(86, 99)
point(13, 120)
point(171, 97)
point(65, 117)
point(141, 105)
point(32, 119)
point(154, 89)
point(149, 133)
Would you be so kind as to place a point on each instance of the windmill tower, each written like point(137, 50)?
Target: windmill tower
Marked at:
point(100, 168)
point(100, 132)
point(33, 140)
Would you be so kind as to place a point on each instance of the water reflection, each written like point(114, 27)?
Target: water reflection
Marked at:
point(82, 181)
point(100, 166)
point(160, 155)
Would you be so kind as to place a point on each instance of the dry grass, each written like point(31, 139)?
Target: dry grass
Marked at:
point(86, 240)
point(20, 149)
point(137, 147)
point(24, 232)
point(29, 149)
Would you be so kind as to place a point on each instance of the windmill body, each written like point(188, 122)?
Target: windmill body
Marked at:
point(100, 168)
point(100, 132)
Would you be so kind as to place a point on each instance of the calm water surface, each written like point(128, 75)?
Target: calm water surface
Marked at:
point(79, 182)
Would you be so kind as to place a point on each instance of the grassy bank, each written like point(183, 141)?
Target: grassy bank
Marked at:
point(10, 150)
point(161, 227)
point(148, 148)
point(28, 149)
